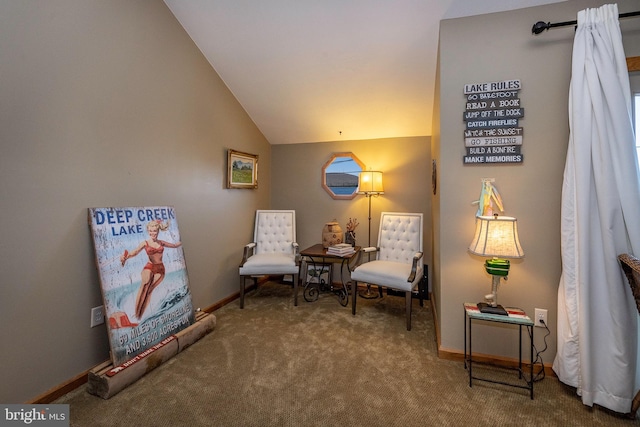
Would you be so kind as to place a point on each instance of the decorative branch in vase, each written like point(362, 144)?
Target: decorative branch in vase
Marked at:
point(350, 236)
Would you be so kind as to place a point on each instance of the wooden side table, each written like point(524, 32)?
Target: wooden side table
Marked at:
point(515, 317)
point(317, 256)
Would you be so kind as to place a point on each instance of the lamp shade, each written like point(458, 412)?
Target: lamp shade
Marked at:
point(496, 236)
point(370, 182)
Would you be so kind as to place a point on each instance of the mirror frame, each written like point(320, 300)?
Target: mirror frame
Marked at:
point(324, 175)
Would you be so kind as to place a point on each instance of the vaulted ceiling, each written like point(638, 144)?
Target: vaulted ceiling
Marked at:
point(329, 70)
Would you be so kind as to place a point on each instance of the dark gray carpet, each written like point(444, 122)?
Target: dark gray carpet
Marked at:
point(273, 364)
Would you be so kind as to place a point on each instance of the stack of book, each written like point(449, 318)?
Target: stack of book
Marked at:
point(341, 249)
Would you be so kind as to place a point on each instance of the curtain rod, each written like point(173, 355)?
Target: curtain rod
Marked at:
point(540, 26)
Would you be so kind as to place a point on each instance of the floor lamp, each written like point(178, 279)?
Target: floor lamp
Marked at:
point(370, 185)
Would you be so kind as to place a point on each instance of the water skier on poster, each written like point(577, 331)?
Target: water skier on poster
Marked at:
point(153, 272)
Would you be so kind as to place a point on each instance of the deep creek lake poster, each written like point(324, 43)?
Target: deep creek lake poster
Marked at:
point(143, 278)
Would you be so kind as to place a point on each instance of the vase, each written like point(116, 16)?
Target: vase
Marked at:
point(331, 234)
point(350, 238)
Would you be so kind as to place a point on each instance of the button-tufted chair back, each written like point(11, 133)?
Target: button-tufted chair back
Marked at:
point(400, 236)
point(398, 264)
point(275, 231)
point(274, 250)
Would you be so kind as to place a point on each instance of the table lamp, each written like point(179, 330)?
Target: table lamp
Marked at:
point(496, 237)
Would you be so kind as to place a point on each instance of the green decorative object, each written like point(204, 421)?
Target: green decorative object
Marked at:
point(497, 267)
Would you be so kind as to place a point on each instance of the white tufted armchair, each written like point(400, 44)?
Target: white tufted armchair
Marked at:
point(398, 264)
point(273, 251)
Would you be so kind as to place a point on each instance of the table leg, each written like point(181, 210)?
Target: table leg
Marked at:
point(465, 339)
point(311, 290)
point(470, 355)
point(343, 294)
point(520, 352)
point(531, 359)
point(354, 296)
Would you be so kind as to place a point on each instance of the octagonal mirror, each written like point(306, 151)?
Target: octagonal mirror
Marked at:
point(340, 175)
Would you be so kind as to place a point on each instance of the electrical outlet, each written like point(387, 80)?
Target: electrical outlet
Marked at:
point(541, 317)
point(97, 316)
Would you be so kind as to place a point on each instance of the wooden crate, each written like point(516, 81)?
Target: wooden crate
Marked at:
point(106, 381)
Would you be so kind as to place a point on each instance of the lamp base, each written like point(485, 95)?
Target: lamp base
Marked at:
point(486, 308)
point(367, 294)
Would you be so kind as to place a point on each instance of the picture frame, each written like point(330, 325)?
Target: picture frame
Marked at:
point(434, 176)
point(242, 170)
point(318, 273)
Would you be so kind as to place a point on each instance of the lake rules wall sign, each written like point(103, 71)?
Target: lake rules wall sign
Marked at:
point(492, 130)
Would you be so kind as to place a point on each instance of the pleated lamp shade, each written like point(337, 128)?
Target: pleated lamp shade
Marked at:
point(496, 236)
point(370, 182)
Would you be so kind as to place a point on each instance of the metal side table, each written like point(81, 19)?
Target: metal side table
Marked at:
point(317, 255)
point(515, 317)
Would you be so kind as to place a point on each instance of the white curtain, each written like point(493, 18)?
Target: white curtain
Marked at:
point(597, 316)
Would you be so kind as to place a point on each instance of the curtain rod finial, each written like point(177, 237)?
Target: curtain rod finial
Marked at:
point(539, 27)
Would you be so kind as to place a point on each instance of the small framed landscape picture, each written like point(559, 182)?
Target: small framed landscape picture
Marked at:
point(242, 170)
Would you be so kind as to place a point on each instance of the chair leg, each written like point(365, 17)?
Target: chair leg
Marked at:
point(354, 296)
point(634, 406)
point(295, 290)
point(408, 303)
point(242, 278)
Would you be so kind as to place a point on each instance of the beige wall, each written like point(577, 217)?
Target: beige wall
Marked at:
point(106, 103)
point(296, 183)
point(492, 48)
